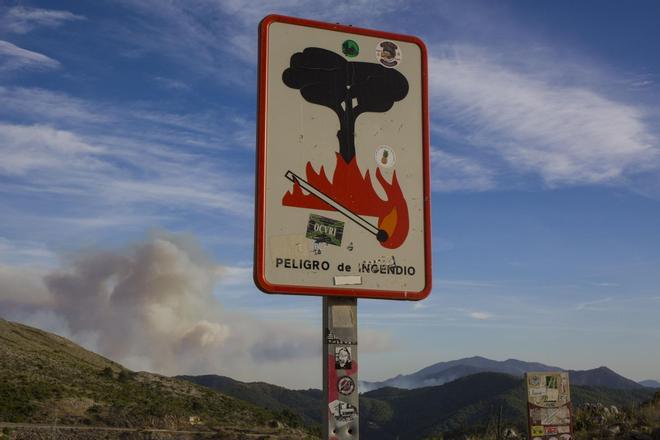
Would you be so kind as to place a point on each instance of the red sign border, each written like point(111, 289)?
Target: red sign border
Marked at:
point(259, 251)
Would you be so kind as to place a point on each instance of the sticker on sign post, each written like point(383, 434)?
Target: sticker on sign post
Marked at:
point(342, 157)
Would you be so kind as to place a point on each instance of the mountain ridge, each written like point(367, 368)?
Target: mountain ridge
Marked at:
point(464, 405)
point(448, 371)
point(650, 383)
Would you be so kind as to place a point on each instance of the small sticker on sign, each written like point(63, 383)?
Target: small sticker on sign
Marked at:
point(385, 157)
point(332, 338)
point(345, 385)
point(325, 230)
point(350, 48)
point(347, 280)
point(343, 358)
point(388, 53)
point(343, 411)
point(535, 381)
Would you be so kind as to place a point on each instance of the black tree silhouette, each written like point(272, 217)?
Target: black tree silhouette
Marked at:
point(348, 88)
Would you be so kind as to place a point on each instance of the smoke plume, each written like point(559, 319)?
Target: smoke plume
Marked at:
point(151, 306)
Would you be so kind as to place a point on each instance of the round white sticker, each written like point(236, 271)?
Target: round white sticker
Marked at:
point(388, 54)
point(385, 157)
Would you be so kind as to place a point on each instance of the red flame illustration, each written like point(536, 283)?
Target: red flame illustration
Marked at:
point(356, 192)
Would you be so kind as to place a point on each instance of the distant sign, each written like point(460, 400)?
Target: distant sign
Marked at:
point(342, 162)
point(549, 409)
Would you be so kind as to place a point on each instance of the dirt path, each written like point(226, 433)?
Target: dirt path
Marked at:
point(25, 431)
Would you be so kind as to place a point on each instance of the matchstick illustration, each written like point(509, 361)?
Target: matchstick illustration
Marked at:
point(381, 234)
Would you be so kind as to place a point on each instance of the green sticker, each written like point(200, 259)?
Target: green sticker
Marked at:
point(325, 230)
point(350, 48)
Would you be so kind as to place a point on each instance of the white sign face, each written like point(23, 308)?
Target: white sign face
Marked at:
point(342, 191)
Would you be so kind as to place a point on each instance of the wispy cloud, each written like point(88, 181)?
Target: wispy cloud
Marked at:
point(190, 32)
point(25, 253)
point(219, 129)
point(21, 20)
point(567, 134)
point(172, 84)
point(451, 173)
point(134, 155)
point(46, 106)
point(64, 163)
point(593, 305)
point(28, 148)
point(13, 57)
point(481, 316)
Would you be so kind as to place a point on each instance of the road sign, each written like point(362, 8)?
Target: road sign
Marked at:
point(549, 409)
point(342, 162)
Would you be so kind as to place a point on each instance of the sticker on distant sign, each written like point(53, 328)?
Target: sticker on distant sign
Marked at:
point(538, 430)
point(534, 381)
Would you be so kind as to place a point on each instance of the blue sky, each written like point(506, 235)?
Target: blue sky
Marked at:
point(127, 136)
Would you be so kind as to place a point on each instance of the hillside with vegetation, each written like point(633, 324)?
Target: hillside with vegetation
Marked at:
point(50, 381)
point(470, 405)
point(303, 406)
point(473, 405)
point(47, 379)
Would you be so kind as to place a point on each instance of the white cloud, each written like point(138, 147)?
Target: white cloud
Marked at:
point(190, 31)
point(451, 173)
point(342, 11)
point(237, 276)
point(25, 253)
point(172, 84)
point(107, 156)
point(62, 162)
point(40, 105)
point(20, 20)
point(223, 129)
point(27, 148)
point(418, 305)
point(481, 316)
point(593, 305)
point(13, 57)
point(567, 134)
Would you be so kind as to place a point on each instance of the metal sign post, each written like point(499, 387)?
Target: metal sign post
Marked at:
point(343, 186)
point(340, 369)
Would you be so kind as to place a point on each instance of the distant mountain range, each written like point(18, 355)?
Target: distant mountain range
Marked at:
point(46, 377)
point(445, 372)
point(465, 405)
point(650, 383)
